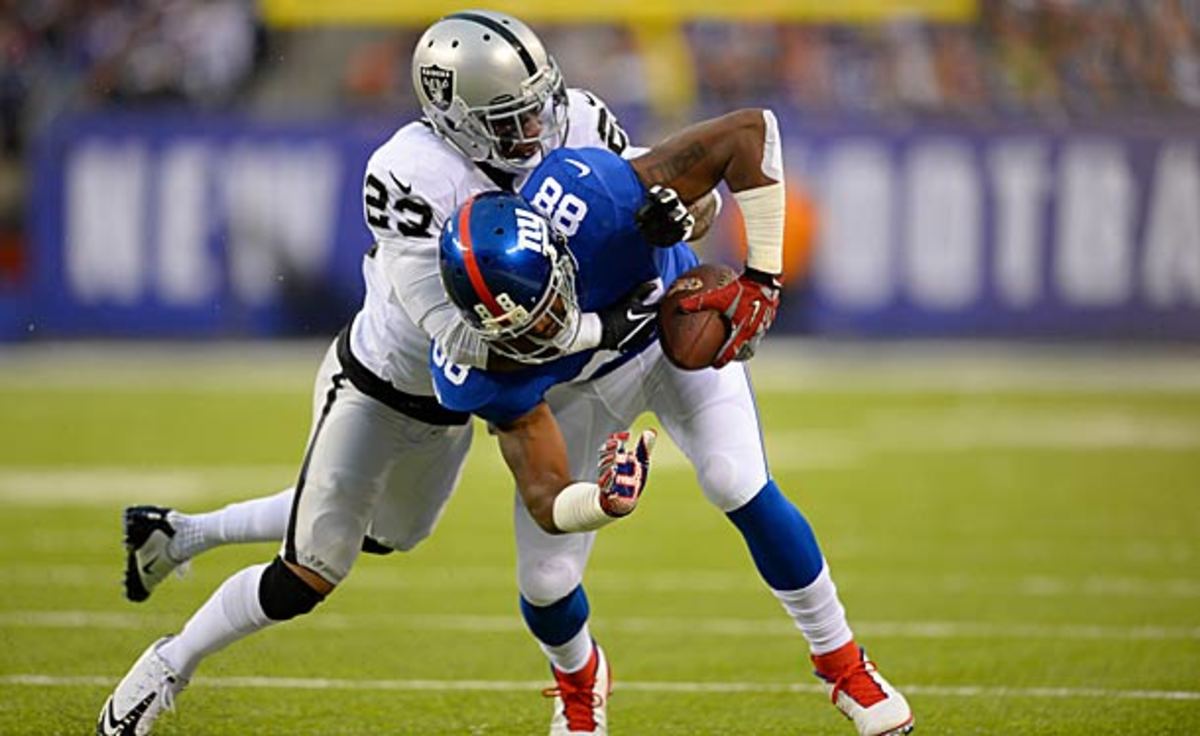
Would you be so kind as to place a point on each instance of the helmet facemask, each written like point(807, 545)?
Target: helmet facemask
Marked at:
point(513, 134)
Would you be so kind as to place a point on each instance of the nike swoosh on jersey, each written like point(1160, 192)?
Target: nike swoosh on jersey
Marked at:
point(406, 189)
point(584, 169)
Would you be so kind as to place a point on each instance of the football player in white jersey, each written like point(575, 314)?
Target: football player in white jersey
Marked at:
point(383, 456)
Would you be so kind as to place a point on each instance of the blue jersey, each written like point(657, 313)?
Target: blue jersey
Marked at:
point(590, 195)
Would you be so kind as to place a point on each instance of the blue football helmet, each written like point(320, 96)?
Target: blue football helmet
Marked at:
point(511, 276)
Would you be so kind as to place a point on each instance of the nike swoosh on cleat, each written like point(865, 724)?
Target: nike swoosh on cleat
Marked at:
point(146, 567)
point(127, 725)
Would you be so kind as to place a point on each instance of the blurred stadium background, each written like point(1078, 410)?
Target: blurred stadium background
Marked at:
point(985, 379)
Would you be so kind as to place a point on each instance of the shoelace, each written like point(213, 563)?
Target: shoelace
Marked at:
point(577, 707)
point(856, 682)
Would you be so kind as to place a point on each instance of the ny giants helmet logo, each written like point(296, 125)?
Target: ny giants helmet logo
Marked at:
point(438, 84)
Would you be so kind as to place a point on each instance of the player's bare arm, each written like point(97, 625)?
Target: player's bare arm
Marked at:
point(698, 158)
point(742, 149)
point(534, 449)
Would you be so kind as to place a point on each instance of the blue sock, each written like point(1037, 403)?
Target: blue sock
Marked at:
point(780, 540)
point(556, 623)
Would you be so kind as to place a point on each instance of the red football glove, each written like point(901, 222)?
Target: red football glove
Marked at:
point(623, 474)
point(749, 303)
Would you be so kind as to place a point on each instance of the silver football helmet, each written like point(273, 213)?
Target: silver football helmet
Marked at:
point(488, 86)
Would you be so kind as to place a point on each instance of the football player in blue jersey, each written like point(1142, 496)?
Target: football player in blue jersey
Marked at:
point(531, 274)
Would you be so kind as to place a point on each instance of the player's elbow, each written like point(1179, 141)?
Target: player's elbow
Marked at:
point(540, 505)
point(748, 124)
point(539, 500)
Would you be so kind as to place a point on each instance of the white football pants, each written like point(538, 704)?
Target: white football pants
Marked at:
point(710, 414)
point(370, 471)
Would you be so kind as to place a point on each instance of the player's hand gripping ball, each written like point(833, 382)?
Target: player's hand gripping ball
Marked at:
point(743, 305)
point(692, 340)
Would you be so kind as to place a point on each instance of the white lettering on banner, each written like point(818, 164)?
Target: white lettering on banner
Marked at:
point(106, 198)
point(943, 241)
point(854, 258)
point(280, 202)
point(1171, 270)
point(1019, 181)
point(1094, 236)
point(186, 273)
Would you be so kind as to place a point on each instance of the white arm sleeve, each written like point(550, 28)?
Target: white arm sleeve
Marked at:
point(407, 198)
point(412, 270)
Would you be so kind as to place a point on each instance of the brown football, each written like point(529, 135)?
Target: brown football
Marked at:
point(691, 341)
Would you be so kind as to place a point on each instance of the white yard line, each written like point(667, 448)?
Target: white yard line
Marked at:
point(325, 683)
point(784, 365)
point(106, 484)
point(712, 626)
point(661, 581)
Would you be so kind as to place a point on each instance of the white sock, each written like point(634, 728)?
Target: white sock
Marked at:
point(818, 613)
point(257, 520)
point(573, 654)
point(231, 613)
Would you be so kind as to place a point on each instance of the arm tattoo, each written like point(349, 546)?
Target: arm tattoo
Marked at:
point(677, 164)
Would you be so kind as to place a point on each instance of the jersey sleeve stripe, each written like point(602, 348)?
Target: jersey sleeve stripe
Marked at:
point(473, 272)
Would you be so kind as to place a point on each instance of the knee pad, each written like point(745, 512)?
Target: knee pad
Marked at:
point(283, 595)
point(548, 581)
point(729, 480)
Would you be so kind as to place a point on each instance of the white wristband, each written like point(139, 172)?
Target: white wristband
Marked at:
point(577, 509)
point(588, 335)
point(762, 211)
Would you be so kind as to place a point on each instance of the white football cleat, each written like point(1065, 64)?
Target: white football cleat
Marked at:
point(148, 533)
point(862, 694)
point(141, 697)
point(581, 698)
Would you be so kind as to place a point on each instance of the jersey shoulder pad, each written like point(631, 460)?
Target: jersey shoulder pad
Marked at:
point(593, 124)
point(411, 184)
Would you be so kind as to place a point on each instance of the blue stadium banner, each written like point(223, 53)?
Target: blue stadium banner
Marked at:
point(190, 227)
point(1016, 232)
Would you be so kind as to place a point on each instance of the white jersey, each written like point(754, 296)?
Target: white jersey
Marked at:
point(413, 182)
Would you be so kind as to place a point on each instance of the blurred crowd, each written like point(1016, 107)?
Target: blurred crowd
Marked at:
point(1040, 58)
point(60, 55)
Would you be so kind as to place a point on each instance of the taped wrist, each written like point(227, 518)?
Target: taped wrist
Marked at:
point(577, 509)
point(588, 335)
point(762, 211)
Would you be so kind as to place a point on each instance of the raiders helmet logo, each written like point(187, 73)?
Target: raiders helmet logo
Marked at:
point(438, 84)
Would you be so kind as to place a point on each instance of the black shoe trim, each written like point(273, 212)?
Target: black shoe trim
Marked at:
point(140, 522)
point(127, 726)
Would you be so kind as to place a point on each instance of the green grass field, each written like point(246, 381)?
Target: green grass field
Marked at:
point(1017, 542)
